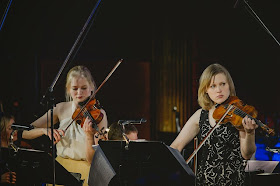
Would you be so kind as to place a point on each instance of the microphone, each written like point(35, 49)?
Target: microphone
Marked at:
point(126, 122)
point(177, 119)
point(15, 126)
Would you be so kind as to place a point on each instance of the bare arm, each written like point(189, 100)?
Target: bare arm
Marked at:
point(247, 138)
point(37, 132)
point(45, 120)
point(34, 133)
point(42, 125)
point(189, 131)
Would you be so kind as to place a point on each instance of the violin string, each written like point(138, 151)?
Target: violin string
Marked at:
point(87, 114)
point(243, 114)
point(240, 112)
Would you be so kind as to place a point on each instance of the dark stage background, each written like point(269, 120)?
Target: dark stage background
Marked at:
point(37, 36)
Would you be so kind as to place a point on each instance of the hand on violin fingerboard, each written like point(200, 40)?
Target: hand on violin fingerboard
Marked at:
point(249, 125)
point(89, 130)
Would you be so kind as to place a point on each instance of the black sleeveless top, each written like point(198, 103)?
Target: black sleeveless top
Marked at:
point(219, 160)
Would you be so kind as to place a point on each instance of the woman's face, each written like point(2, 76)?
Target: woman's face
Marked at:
point(80, 89)
point(218, 90)
point(9, 130)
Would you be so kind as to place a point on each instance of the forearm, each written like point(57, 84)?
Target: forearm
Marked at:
point(45, 120)
point(32, 134)
point(248, 146)
point(184, 138)
point(89, 150)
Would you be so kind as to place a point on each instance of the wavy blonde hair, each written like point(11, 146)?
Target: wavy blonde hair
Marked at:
point(78, 71)
point(204, 82)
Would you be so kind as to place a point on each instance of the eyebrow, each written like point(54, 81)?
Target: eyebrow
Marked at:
point(77, 86)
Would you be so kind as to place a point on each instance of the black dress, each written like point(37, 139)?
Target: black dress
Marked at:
point(219, 160)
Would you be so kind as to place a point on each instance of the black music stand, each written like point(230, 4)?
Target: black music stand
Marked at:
point(34, 167)
point(143, 163)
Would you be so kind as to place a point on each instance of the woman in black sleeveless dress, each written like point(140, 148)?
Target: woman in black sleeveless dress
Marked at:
point(221, 165)
point(220, 159)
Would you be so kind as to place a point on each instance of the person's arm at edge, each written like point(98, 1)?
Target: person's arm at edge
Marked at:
point(189, 131)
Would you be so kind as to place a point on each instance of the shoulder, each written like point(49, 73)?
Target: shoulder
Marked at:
point(62, 107)
point(103, 111)
point(197, 113)
point(104, 116)
point(194, 119)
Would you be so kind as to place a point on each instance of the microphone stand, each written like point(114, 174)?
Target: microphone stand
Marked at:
point(127, 122)
point(48, 98)
point(177, 119)
point(252, 12)
point(125, 138)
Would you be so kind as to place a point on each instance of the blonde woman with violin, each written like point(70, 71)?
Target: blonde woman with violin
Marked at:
point(74, 145)
point(220, 158)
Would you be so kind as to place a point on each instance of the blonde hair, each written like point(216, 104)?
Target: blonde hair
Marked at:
point(204, 82)
point(4, 121)
point(78, 71)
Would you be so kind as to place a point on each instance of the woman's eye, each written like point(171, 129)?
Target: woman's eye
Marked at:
point(212, 86)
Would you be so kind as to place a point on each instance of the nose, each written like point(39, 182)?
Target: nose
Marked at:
point(219, 89)
point(80, 91)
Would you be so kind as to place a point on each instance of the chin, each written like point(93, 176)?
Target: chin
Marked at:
point(80, 99)
point(219, 101)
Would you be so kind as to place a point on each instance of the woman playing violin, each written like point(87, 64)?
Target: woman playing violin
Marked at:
point(76, 143)
point(220, 159)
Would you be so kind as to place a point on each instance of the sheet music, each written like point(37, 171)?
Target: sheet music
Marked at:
point(256, 165)
point(101, 171)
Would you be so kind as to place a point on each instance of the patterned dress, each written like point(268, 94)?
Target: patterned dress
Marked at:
point(219, 160)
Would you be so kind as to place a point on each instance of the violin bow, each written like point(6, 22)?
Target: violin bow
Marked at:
point(208, 135)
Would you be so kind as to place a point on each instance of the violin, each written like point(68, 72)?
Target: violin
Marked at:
point(237, 111)
point(90, 108)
